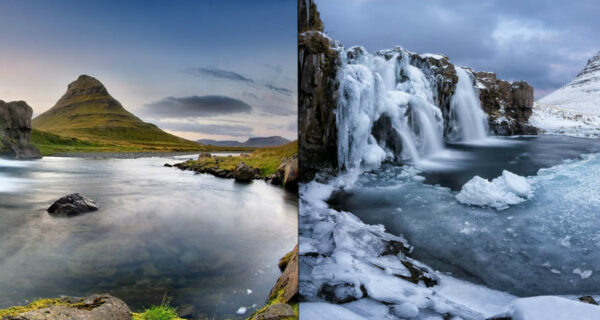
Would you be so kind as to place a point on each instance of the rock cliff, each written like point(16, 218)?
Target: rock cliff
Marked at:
point(320, 59)
point(508, 105)
point(15, 130)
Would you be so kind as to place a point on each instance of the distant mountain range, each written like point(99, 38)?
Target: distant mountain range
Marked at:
point(256, 142)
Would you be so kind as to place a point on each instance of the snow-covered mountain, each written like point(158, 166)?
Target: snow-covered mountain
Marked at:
point(575, 108)
point(581, 95)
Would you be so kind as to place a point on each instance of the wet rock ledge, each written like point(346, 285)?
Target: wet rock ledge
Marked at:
point(267, 164)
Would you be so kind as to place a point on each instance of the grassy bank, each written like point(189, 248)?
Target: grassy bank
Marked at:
point(265, 159)
point(50, 144)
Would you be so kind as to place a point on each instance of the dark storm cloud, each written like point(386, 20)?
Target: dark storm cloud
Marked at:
point(216, 129)
point(543, 42)
point(197, 106)
point(280, 90)
point(219, 73)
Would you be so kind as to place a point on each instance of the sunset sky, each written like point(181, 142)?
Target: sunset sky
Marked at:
point(199, 69)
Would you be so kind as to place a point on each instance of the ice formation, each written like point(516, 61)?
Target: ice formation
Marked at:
point(500, 193)
point(386, 84)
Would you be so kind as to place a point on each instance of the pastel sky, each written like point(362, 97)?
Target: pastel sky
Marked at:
point(544, 42)
point(198, 69)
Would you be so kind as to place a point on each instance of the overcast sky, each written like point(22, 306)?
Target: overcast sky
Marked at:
point(543, 42)
point(199, 69)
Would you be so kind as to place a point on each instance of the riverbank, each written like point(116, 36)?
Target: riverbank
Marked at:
point(276, 165)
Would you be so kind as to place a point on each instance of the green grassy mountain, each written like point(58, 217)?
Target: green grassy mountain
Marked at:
point(89, 113)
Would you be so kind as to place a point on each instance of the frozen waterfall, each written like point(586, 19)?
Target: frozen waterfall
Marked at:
point(386, 86)
point(470, 120)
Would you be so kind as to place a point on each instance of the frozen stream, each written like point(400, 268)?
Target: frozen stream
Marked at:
point(549, 244)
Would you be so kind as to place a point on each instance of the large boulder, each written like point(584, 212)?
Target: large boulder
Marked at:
point(287, 173)
point(72, 205)
point(244, 172)
point(96, 307)
point(15, 130)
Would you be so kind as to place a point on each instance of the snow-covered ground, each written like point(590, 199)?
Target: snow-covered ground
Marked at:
point(553, 119)
point(356, 265)
point(574, 109)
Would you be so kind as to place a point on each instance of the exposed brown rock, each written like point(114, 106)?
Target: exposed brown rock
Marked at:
point(15, 130)
point(308, 16)
point(508, 105)
point(96, 307)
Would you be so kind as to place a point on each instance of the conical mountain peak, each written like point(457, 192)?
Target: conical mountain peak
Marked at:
point(85, 85)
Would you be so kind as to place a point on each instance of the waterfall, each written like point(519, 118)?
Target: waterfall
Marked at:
point(386, 84)
point(466, 112)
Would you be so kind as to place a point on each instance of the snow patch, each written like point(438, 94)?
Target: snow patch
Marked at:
point(551, 307)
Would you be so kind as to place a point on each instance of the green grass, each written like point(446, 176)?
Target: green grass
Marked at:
point(265, 159)
point(163, 312)
point(50, 144)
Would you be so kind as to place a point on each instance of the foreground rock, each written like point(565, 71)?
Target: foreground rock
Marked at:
point(72, 205)
point(96, 307)
point(244, 172)
point(15, 130)
point(284, 294)
point(287, 173)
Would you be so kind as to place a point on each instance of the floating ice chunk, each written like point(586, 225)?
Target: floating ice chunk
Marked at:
point(249, 291)
point(500, 193)
point(551, 307)
point(583, 274)
point(515, 184)
point(241, 310)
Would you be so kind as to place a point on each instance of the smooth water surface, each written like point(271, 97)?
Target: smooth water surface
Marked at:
point(205, 241)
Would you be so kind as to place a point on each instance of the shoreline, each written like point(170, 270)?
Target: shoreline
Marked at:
point(129, 155)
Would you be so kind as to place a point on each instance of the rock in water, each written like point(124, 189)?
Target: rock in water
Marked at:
point(287, 173)
point(15, 130)
point(244, 172)
point(72, 205)
point(96, 307)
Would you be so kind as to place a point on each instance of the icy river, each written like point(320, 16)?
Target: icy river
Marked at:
point(547, 243)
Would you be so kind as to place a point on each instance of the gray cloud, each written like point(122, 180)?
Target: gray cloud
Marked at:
point(280, 90)
point(219, 73)
point(543, 42)
point(197, 106)
point(277, 110)
point(216, 129)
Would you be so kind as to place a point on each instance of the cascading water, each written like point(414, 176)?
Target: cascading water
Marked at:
point(470, 122)
point(385, 84)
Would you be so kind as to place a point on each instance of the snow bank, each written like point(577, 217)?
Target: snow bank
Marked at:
point(351, 270)
point(321, 310)
point(508, 189)
point(552, 119)
point(551, 307)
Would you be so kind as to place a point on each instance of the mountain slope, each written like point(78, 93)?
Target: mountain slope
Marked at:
point(574, 109)
point(88, 112)
point(581, 95)
point(255, 142)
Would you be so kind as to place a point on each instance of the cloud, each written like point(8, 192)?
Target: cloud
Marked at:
point(277, 110)
point(197, 106)
point(280, 90)
point(218, 73)
point(214, 129)
point(544, 43)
